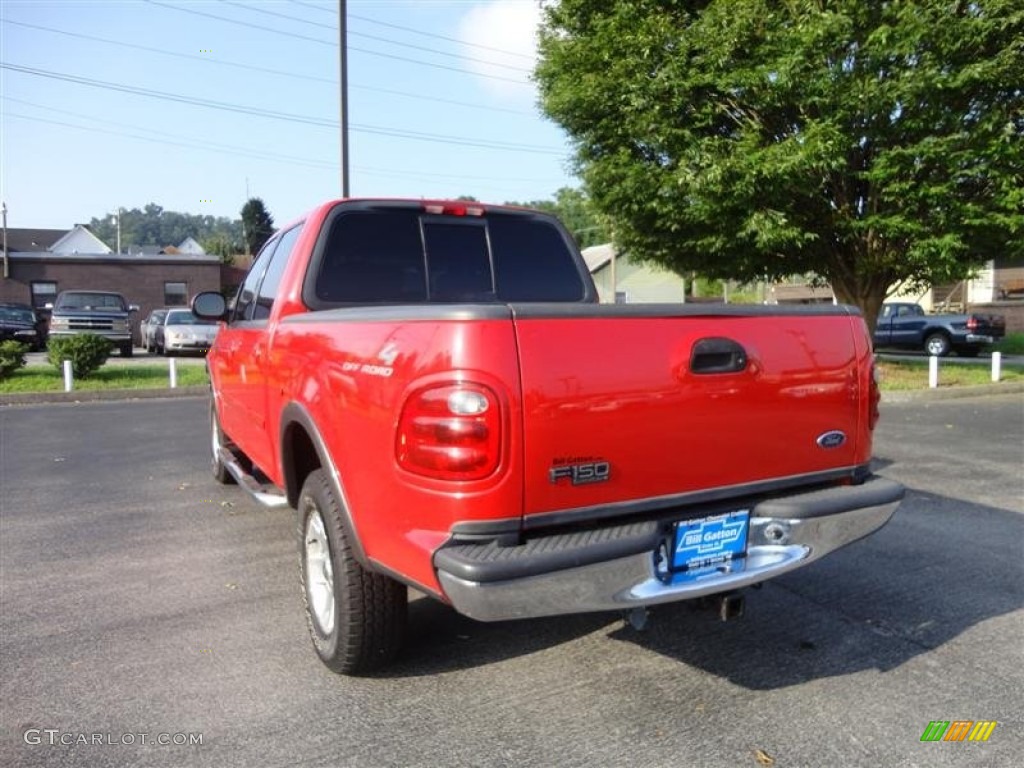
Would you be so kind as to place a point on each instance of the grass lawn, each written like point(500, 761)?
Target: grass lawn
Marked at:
point(45, 378)
point(896, 376)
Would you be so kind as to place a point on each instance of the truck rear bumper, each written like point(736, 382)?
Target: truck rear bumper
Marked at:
point(619, 568)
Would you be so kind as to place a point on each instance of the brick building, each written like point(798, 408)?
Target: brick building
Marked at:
point(42, 262)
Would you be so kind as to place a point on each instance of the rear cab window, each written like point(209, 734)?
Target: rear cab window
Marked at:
point(397, 253)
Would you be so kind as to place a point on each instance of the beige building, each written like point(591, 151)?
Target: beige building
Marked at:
point(635, 283)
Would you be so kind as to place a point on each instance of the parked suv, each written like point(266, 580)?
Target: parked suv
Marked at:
point(102, 313)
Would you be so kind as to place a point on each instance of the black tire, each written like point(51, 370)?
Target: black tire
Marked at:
point(937, 344)
point(127, 350)
point(968, 351)
point(356, 618)
point(218, 440)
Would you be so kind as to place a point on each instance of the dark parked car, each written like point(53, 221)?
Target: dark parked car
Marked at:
point(20, 323)
point(102, 313)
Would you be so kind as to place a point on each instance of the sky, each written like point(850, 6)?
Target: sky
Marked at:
point(196, 105)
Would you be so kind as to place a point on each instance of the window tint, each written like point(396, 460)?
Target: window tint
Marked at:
point(373, 256)
point(532, 261)
point(460, 269)
point(404, 256)
point(246, 298)
point(272, 278)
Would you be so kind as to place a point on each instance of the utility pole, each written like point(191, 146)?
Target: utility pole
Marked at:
point(343, 76)
point(7, 263)
point(118, 217)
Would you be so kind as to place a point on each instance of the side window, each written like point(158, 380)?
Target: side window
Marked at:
point(246, 298)
point(43, 292)
point(175, 294)
point(272, 278)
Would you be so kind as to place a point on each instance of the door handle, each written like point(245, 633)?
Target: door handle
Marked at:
point(718, 355)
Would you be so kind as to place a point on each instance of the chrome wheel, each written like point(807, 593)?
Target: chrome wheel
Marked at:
point(319, 573)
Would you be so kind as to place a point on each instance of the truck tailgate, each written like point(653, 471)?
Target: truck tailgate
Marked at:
point(630, 407)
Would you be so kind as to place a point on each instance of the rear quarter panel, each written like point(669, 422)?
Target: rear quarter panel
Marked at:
point(353, 376)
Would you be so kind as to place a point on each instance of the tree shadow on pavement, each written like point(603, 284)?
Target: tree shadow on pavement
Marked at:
point(939, 568)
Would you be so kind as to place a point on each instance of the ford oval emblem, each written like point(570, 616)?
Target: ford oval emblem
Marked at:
point(832, 439)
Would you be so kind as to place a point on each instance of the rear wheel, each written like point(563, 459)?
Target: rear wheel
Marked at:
point(356, 618)
point(937, 344)
point(968, 351)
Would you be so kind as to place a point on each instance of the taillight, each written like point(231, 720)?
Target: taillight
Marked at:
point(874, 396)
point(454, 209)
point(450, 432)
point(972, 323)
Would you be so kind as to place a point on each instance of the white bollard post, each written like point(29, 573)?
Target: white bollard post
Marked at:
point(172, 365)
point(997, 364)
point(69, 377)
point(933, 372)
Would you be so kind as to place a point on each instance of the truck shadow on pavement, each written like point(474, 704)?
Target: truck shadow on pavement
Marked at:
point(941, 567)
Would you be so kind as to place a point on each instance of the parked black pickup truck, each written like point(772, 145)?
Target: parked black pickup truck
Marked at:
point(906, 325)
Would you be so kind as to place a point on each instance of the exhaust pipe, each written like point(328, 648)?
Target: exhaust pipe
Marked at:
point(730, 606)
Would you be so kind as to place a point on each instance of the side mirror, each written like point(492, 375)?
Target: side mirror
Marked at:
point(209, 305)
point(48, 305)
point(133, 307)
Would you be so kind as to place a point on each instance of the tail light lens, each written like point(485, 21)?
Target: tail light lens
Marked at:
point(972, 323)
point(450, 432)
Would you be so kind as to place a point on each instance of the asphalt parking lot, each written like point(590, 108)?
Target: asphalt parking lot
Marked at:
point(141, 603)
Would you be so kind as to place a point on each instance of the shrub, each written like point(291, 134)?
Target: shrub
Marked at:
point(86, 351)
point(1013, 344)
point(12, 357)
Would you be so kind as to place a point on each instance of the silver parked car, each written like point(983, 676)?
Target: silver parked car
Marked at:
point(182, 331)
point(147, 328)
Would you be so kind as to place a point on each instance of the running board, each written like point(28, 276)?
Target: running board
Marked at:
point(266, 494)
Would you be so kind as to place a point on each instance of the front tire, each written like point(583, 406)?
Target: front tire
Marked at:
point(356, 618)
point(937, 344)
point(127, 350)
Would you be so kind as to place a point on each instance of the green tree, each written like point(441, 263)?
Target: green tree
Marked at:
point(257, 224)
point(870, 142)
point(575, 210)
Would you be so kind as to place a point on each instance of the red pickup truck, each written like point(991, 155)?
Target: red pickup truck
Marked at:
point(434, 387)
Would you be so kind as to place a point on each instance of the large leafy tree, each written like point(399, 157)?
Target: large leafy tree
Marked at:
point(871, 142)
point(578, 214)
point(257, 223)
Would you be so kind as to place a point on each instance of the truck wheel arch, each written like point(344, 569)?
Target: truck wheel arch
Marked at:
point(303, 451)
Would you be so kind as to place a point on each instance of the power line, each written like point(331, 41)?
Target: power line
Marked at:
point(379, 39)
point(254, 68)
point(333, 44)
point(221, 149)
point(413, 31)
point(284, 116)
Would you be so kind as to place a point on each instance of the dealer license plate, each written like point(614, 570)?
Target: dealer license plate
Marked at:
point(707, 544)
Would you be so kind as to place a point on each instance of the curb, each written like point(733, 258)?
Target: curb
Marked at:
point(99, 395)
point(952, 393)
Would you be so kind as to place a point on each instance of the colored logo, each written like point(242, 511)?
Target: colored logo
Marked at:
point(959, 730)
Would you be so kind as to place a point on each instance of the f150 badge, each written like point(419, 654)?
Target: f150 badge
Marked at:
point(580, 470)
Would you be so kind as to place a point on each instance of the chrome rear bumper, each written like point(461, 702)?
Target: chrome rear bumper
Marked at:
point(785, 534)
